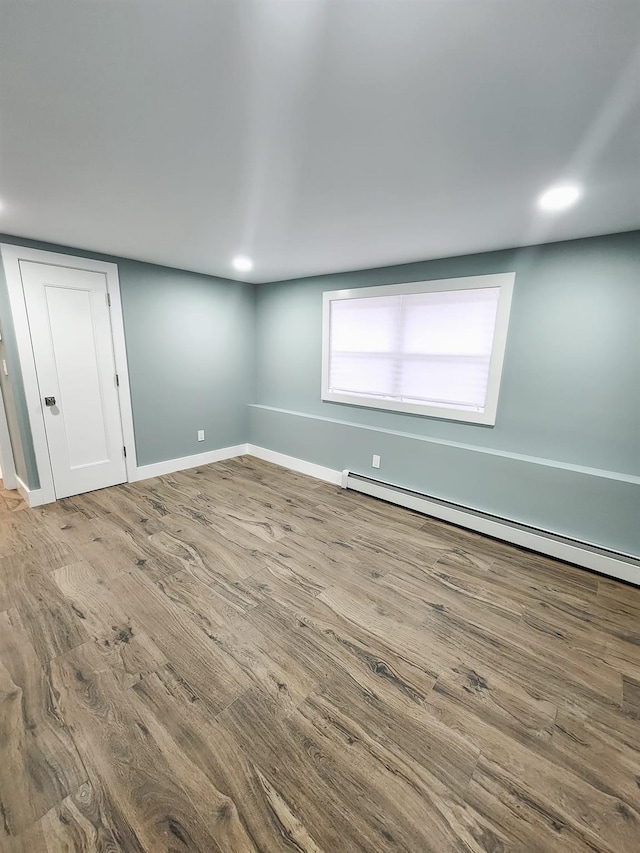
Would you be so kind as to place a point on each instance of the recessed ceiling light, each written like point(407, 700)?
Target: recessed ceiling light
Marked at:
point(560, 197)
point(242, 264)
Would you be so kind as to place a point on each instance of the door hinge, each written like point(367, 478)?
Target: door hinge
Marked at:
point(124, 449)
point(109, 300)
point(117, 381)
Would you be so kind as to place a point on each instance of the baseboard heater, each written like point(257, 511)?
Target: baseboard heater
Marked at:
point(616, 564)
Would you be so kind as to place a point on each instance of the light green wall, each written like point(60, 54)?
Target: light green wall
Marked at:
point(570, 392)
point(190, 351)
point(189, 344)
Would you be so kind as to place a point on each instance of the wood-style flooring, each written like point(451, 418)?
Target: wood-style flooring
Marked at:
point(239, 658)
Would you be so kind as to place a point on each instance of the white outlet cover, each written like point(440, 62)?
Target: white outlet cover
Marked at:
point(200, 435)
point(375, 462)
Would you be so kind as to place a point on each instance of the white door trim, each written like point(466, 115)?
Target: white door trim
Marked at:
point(11, 257)
point(6, 453)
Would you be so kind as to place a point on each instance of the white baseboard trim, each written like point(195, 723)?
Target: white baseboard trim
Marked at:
point(170, 466)
point(32, 497)
point(552, 545)
point(23, 490)
point(295, 464)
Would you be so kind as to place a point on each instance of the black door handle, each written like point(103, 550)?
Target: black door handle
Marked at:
point(49, 401)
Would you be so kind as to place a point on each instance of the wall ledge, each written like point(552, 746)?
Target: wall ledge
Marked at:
point(505, 454)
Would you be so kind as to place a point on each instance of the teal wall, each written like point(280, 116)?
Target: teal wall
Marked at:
point(570, 397)
point(191, 362)
point(189, 344)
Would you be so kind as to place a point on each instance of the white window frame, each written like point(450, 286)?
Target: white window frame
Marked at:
point(503, 281)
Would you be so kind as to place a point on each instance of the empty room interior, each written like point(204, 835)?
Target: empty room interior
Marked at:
point(320, 426)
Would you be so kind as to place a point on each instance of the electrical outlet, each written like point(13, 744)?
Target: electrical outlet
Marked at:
point(375, 462)
point(200, 435)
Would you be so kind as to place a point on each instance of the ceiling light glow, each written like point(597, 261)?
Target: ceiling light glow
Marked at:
point(242, 264)
point(559, 197)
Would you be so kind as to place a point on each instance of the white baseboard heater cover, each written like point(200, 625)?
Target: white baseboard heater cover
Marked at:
point(618, 565)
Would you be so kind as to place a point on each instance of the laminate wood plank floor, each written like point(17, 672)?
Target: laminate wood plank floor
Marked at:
point(239, 658)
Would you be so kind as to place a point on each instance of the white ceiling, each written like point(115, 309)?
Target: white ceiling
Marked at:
point(315, 135)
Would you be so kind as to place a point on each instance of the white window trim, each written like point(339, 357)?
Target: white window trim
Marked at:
point(11, 257)
point(504, 281)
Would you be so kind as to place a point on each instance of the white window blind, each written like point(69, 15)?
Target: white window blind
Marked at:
point(412, 351)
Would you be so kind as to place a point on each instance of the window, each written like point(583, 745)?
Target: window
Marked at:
point(432, 348)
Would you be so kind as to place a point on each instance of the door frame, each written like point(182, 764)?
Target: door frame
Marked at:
point(7, 464)
point(11, 257)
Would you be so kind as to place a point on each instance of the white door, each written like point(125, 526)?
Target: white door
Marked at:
point(70, 327)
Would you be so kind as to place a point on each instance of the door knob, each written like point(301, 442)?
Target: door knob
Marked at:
point(49, 401)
